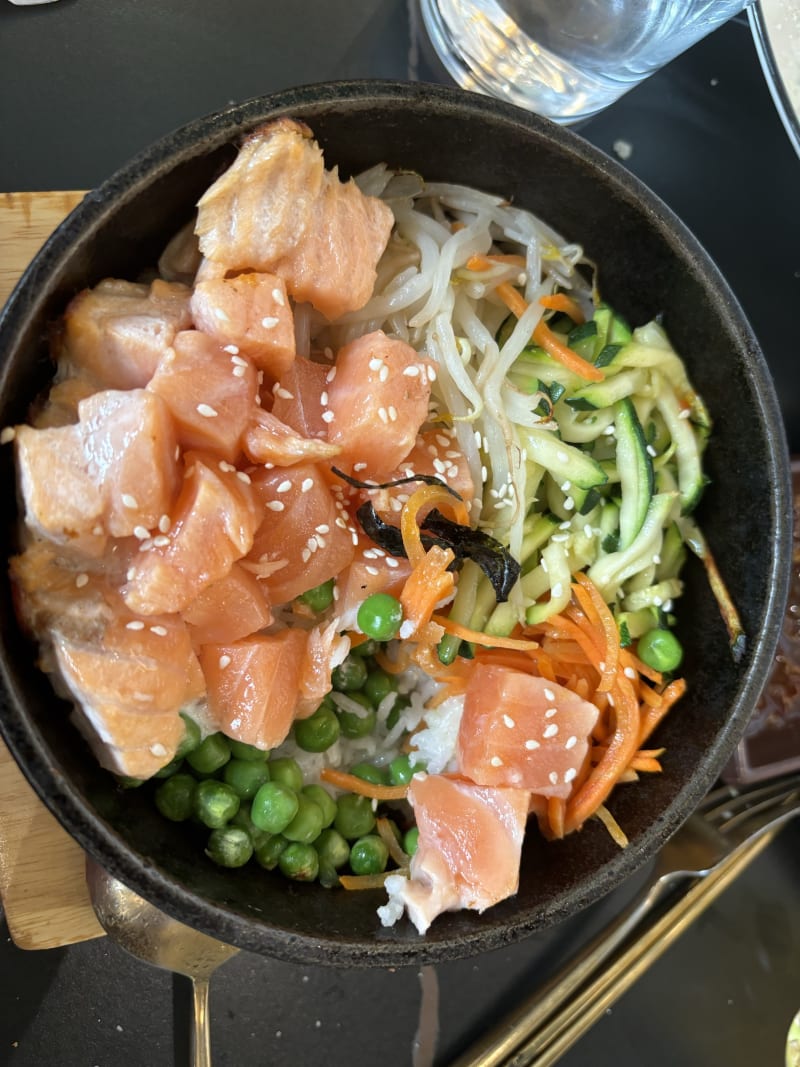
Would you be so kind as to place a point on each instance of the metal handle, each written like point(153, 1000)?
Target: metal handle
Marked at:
point(201, 1034)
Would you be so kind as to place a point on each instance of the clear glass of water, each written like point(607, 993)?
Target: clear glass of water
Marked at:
point(565, 59)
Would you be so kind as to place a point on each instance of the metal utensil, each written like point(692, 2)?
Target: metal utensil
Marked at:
point(147, 933)
point(728, 826)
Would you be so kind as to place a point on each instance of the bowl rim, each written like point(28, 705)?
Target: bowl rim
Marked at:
point(85, 825)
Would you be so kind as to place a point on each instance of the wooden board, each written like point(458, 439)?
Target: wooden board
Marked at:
point(42, 883)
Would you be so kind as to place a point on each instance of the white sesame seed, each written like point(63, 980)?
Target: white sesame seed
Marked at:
point(372, 570)
point(439, 466)
point(158, 751)
point(559, 537)
point(629, 672)
point(651, 451)
point(328, 416)
point(551, 730)
point(569, 503)
point(569, 775)
point(275, 505)
point(390, 562)
point(277, 296)
point(375, 363)
point(161, 541)
point(311, 544)
point(566, 486)
point(239, 372)
point(383, 415)
point(369, 554)
point(484, 474)
point(225, 467)
point(543, 564)
point(284, 394)
point(327, 352)
point(306, 484)
point(164, 523)
point(323, 528)
point(553, 776)
point(531, 744)
point(557, 589)
point(207, 411)
point(141, 533)
point(609, 431)
point(130, 574)
point(562, 457)
point(383, 373)
point(330, 375)
point(220, 314)
point(411, 372)
point(135, 624)
point(340, 523)
point(550, 713)
point(431, 373)
point(359, 466)
point(610, 699)
point(509, 722)
point(129, 501)
point(656, 557)
point(145, 546)
point(269, 322)
point(159, 631)
point(82, 580)
point(406, 629)
point(549, 694)
point(224, 661)
point(97, 530)
point(243, 476)
point(354, 537)
point(232, 350)
point(587, 530)
point(323, 398)
point(305, 555)
point(602, 664)
point(684, 413)
point(496, 761)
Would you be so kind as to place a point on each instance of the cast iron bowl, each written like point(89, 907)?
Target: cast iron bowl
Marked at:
point(650, 265)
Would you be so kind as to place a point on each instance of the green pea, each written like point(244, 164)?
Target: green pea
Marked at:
point(268, 852)
point(411, 840)
point(299, 862)
point(326, 803)
point(402, 770)
point(319, 731)
point(245, 777)
point(327, 875)
point(274, 806)
point(286, 771)
point(229, 847)
point(350, 675)
point(243, 821)
point(378, 686)
point(170, 768)
point(332, 848)
point(307, 823)
point(380, 616)
point(191, 736)
point(320, 597)
point(354, 725)
point(215, 803)
point(368, 772)
point(239, 750)
point(368, 855)
point(366, 648)
point(399, 706)
point(174, 797)
point(354, 816)
point(212, 753)
point(660, 649)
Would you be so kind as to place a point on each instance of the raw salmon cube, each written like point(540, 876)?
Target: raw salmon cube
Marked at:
point(209, 392)
point(210, 527)
point(299, 527)
point(372, 571)
point(300, 395)
point(54, 586)
point(269, 440)
point(251, 313)
point(116, 333)
point(377, 402)
point(468, 856)
point(521, 730)
point(234, 607)
point(253, 685)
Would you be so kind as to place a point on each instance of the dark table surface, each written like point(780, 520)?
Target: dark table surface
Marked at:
point(84, 84)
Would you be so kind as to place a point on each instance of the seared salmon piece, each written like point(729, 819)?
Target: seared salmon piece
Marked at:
point(129, 686)
point(269, 440)
point(249, 313)
point(277, 209)
point(116, 333)
point(210, 527)
point(521, 730)
point(253, 685)
point(300, 397)
point(377, 403)
point(301, 528)
point(234, 607)
point(180, 260)
point(209, 392)
point(468, 856)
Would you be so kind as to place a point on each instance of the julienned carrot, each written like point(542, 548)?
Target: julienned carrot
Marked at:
point(386, 834)
point(645, 763)
point(590, 598)
point(653, 715)
point(364, 881)
point(351, 783)
point(423, 497)
point(629, 660)
point(562, 302)
point(556, 810)
point(429, 582)
point(478, 637)
point(622, 745)
point(611, 824)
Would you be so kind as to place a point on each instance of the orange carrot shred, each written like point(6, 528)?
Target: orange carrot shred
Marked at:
point(363, 881)
point(351, 783)
point(386, 834)
point(562, 302)
point(428, 583)
point(481, 638)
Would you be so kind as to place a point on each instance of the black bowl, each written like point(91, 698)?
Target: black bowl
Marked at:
point(650, 265)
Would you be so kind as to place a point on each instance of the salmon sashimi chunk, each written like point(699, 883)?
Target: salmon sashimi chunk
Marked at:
point(129, 687)
point(277, 209)
point(303, 528)
point(251, 313)
point(116, 333)
point(114, 472)
point(377, 403)
point(521, 730)
point(209, 392)
point(234, 607)
point(300, 398)
point(253, 685)
point(269, 440)
point(61, 408)
point(210, 527)
point(468, 856)
point(372, 571)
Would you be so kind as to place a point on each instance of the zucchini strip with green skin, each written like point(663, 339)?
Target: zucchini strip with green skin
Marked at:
point(609, 572)
point(690, 475)
point(635, 470)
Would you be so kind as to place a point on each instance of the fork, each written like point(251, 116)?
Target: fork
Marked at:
point(726, 824)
